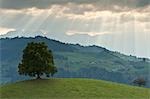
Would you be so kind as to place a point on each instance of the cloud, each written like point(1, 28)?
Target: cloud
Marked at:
point(84, 12)
point(80, 18)
point(43, 4)
point(75, 32)
point(90, 12)
point(4, 30)
point(29, 11)
point(79, 9)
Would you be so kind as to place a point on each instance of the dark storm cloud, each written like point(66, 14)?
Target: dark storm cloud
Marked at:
point(43, 4)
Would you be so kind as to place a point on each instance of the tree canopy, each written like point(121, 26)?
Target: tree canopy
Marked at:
point(37, 60)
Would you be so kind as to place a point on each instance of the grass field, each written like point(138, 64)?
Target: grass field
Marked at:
point(69, 88)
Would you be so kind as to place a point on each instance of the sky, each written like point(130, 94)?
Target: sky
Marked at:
point(118, 25)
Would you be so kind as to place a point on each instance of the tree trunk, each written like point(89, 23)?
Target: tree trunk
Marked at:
point(38, 76)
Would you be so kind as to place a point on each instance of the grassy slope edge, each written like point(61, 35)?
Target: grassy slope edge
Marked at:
point(71, 88)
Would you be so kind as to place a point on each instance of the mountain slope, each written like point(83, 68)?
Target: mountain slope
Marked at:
point(74, 61)
point(70, 89)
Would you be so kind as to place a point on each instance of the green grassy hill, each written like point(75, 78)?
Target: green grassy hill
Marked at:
point(71, 89)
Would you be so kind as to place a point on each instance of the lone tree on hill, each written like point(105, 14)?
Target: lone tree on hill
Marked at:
point(37, 60)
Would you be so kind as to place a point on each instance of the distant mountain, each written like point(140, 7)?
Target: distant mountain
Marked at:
point(74, 60)
point(21, 33)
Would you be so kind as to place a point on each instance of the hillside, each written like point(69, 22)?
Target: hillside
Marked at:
point(70, 89)
point(74, 60)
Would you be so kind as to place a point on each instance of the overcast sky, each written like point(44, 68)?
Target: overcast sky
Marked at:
point(119, 25)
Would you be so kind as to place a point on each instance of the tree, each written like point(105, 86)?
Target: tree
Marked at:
point(37, 60)
point(140, 81)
